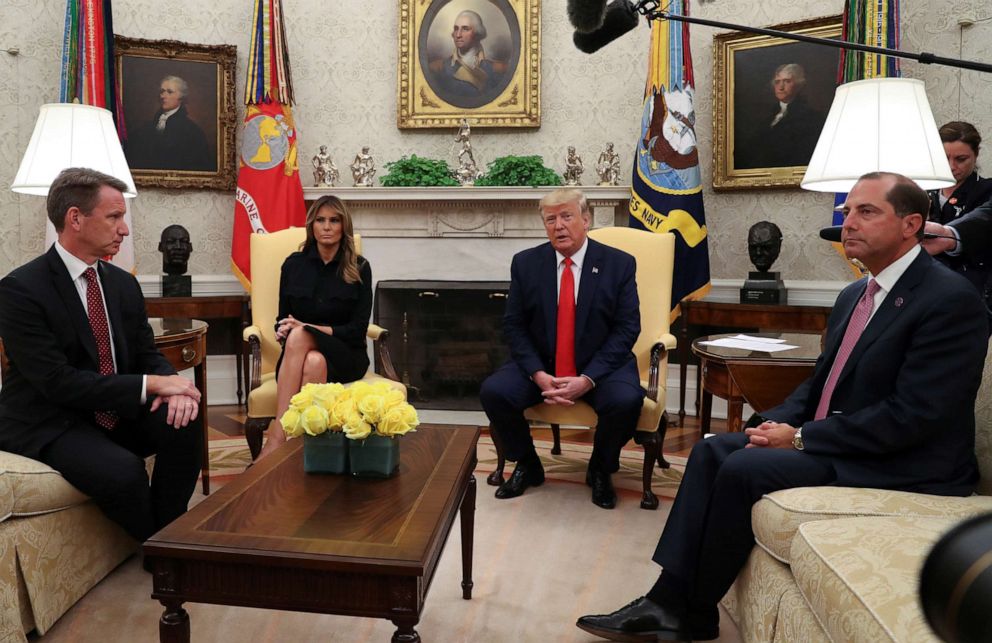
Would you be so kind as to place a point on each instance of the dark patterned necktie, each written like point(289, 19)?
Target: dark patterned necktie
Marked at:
point(101, 333)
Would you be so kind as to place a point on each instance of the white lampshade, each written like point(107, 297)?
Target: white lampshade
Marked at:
point(880, 124)
point(71, 135)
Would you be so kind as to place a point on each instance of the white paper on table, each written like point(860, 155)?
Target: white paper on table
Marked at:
point(764, 347)
point(754, 338)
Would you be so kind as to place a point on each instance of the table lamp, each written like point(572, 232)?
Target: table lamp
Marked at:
point(71, 135)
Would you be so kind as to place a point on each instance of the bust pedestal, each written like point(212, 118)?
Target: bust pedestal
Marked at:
point(177, 286)
point(764, 288)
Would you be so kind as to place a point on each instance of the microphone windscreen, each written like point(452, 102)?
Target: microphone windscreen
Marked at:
point(586, 15)
point(831, 233)
point(621, 17)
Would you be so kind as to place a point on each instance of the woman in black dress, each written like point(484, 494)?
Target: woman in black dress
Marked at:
point(325, 298)
point(961, 215)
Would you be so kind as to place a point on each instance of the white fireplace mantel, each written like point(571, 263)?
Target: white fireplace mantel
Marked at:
point(504, 212)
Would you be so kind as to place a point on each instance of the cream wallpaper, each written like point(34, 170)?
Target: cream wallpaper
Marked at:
point(344, 64)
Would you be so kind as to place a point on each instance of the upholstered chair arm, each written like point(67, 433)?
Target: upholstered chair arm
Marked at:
point(666, 342)
point(379, 335)
point(253, 335)
point(375, 332)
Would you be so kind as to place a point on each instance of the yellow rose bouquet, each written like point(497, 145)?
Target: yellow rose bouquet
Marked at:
point(369, 414)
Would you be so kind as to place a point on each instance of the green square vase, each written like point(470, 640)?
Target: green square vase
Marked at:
point(325, 453)
point(374, 457)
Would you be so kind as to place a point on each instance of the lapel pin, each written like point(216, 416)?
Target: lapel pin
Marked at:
point(898, 302)
point(595, 270)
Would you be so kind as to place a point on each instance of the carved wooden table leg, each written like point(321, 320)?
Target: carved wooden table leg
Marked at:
point(173, 627)
point(467, 511)
point(405, 632)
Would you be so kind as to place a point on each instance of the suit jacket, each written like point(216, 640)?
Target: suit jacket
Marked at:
point(182, 145)
point(607, 312)
point(790, 142)
point(971, 216)
point(53, 382)
point(902, 415)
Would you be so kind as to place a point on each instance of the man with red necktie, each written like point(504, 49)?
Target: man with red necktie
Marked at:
point(86, 391)
point(571, 320)
point(890, 405)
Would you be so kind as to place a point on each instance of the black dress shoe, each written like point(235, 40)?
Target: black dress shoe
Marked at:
point(528, 473)
point(603, 494)
point(639, 620)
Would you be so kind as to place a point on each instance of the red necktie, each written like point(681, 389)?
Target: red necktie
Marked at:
point(856, 325)
point(101, 333)
point(565, 344)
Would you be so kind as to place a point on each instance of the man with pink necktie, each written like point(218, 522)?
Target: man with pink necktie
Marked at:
point(86, 391)
point(889, 405)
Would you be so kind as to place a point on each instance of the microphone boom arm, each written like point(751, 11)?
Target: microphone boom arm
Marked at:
point(649, 9)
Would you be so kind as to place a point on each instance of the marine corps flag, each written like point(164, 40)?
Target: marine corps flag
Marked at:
point(270, 195)
point(666, 194)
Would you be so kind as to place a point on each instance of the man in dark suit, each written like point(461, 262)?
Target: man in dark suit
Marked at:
point(889, 405)
point(571, 320)
point(171, 140)
point(87, 392)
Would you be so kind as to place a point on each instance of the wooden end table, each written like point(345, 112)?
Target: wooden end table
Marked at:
point(761, 379)
point(279, 538)
point(184, 343)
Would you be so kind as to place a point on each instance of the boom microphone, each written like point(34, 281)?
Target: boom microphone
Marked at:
point(586, 15)
point(621, 17)
point(832, 233)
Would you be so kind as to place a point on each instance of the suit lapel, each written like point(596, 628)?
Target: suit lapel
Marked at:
point(548, 287)
point(588, 284)
point(889, 310)
point(70, 297)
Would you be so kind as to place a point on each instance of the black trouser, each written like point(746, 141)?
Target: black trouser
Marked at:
point(109, 467)
point(508, 392)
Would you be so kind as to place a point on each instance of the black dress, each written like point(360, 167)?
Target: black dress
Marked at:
point(969, 212)
point(313, 292)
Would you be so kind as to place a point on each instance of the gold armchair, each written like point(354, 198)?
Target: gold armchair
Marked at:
point(268, 251)
point(655, 255)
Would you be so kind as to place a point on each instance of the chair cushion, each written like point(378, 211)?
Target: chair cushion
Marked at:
point(860, 576)
point(262, 400)
point(28, 487)
point(776, 517)
point(582, 414)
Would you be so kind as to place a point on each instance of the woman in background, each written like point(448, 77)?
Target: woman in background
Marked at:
point(961, 215)
point(325, 298)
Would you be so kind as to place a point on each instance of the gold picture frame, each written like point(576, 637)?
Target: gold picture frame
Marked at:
point(756, 143)
point(434, 88)
point(192, 86)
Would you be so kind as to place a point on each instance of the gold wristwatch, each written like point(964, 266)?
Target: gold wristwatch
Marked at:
point(797, 439)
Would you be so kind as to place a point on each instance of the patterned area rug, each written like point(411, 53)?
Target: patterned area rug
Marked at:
point(229, 457)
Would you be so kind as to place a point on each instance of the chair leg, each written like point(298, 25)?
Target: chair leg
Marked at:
point(652, 450)
point(662, 430)
point(254, 427)
point(495, 478)
point(556, 434)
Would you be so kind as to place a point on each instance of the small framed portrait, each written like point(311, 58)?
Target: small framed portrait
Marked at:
point(474, 59)
point(771, 97)
point(179, 112)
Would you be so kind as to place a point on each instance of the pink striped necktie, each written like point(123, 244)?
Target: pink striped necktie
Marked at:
point(856, 326)
point(101, 333)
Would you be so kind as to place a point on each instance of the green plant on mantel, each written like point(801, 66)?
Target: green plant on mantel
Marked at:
point(417, 171)
point(519, 170)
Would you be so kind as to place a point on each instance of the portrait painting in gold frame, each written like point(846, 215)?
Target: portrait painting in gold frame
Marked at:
point(771, 96)
point(473, 59)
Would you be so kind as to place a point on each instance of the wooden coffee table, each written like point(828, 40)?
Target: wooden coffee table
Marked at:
point(278, 538)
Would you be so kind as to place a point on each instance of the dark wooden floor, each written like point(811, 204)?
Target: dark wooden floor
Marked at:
point(229, 421)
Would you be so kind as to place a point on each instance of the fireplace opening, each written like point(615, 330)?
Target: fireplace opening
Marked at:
point(445, 338)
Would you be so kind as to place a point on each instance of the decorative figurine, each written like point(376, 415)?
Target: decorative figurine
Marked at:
point(325, 173)
point(573, 167)
point(467, 171)
point(764, 242)
point(363, 169)
point(608, 166)
point(176, 248)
